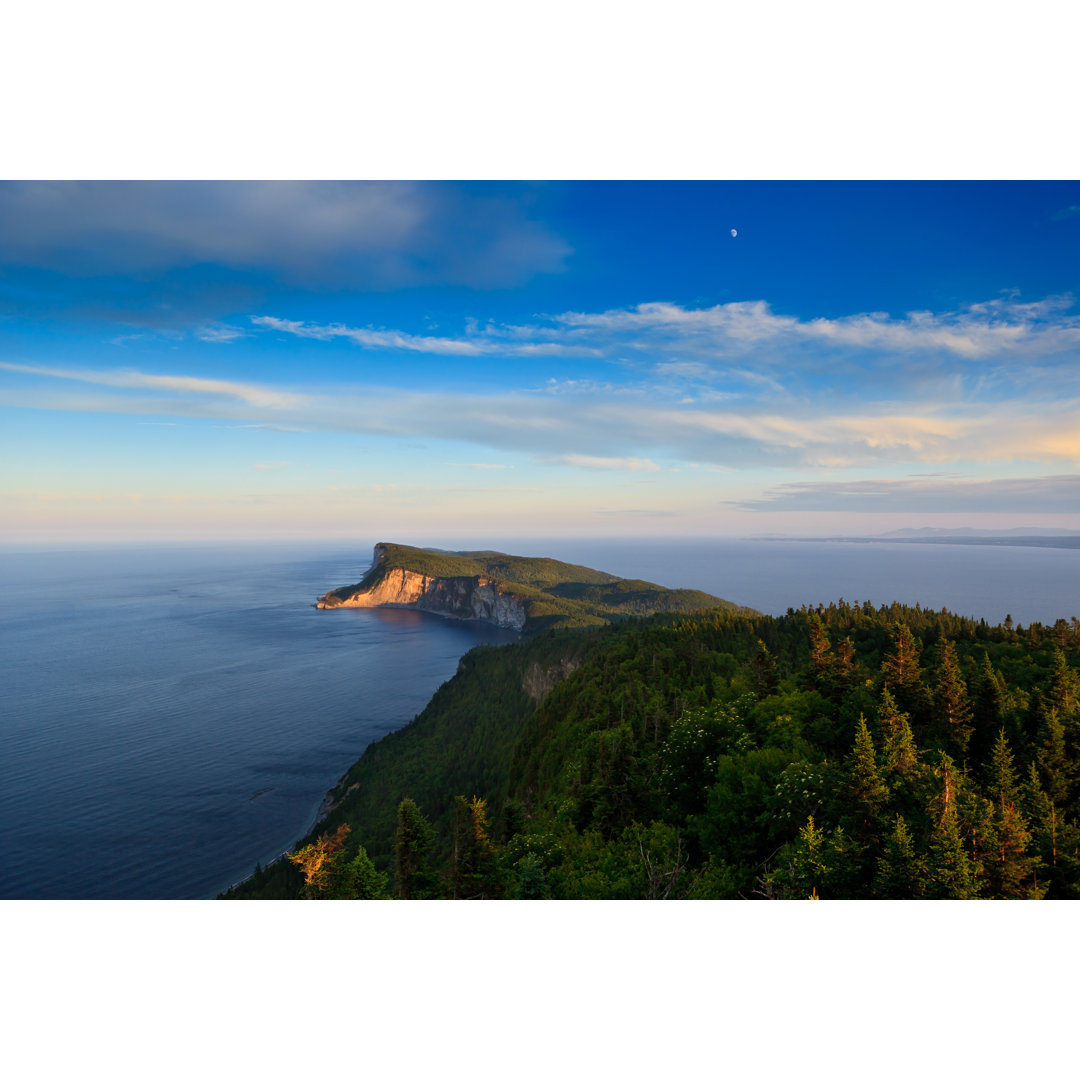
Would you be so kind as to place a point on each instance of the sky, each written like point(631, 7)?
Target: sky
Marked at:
point(394, 360)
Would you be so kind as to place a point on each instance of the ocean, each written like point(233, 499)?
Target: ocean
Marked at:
point(172, 715)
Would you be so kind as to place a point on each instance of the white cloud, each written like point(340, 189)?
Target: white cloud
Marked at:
point(749, 332)
point(370, 338)
point(979, 330)
point(219, 333)
point(595, 429)
point(630, 464)
point(250, 394)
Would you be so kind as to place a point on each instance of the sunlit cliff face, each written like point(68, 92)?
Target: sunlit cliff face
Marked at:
point(476, 598)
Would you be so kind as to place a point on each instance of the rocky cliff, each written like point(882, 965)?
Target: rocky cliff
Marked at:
point(458, 597)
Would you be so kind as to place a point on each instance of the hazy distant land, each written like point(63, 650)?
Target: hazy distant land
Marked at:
point(1047, 538)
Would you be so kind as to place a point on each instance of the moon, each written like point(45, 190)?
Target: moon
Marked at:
point(734, 232)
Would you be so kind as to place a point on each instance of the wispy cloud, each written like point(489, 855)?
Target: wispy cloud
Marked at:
point(595, 429)
point(682, 369)
point(476, 465)
point(272, 466)
point(219, 334)
point(1067, 212)
point(629, 464)
point(1058, 494)
point(748, 343)
point(979, 330)
point(250, 394)
point(370, 338)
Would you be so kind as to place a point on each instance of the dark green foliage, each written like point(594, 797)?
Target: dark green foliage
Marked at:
point(901, 873)
point(474, 872)
point(952, 709)
point(730, 756)
point(413, 840)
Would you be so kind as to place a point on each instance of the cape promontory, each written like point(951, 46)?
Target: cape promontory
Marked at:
point(512, 591)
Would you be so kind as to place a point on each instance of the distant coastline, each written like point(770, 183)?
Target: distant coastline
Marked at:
point(981, 541)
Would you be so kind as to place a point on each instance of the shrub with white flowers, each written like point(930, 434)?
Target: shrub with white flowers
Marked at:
point(800, 792)
point(697, 739)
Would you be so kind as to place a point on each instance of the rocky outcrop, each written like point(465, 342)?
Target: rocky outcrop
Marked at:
point(460, 598)
point(539, 680)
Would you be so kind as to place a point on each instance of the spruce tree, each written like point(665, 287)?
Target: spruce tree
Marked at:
point(763, 671)
point(1050, 757)
point(901, 671)
point(473, 869)
point(413, 878)
point(1044, 816)
point(807, 873)
point(1002, 781)
point(867, 792)
point(1064, 695)
point(1013, 868)
point(901, 873)
point(950, 874)
point(952, 709)
point(899, 752)
point(988, 707)
point(845, 660)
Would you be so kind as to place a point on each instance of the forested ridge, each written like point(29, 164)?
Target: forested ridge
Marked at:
point(839, 752)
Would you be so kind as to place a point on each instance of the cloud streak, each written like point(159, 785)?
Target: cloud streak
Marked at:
point(979, 330)
point(594, 429)
point(248, 393)
point(397, 340)
point(1056, 494)
point(745, 344)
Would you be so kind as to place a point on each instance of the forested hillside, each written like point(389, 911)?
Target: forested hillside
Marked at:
point(842, 752)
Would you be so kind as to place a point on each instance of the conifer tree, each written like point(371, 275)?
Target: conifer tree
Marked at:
point(413, 878)
point(1064, 694)
point(763, 669)
point(807, 874)
point(952, 707)
point(901, 872)
point(898, 752)
point(950, 874)
point(845, 659)
point(821, 675)
point(473, 870)
point(1012, 869)
point(1044, 817)
point(362, 881)
point(1015, 869)
point(1050, 757)
point(989, 703)
point(900, 667)
point(326, 874)
point(1003, 782)
point(866, 789)
point(820, 647)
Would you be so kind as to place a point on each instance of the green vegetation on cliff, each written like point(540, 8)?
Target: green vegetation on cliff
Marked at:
point(555, 595)
point(846, 751)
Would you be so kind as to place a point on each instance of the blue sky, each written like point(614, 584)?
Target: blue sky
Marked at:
point(433, 361)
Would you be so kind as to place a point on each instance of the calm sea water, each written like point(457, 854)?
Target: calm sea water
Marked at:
point(170, 716)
